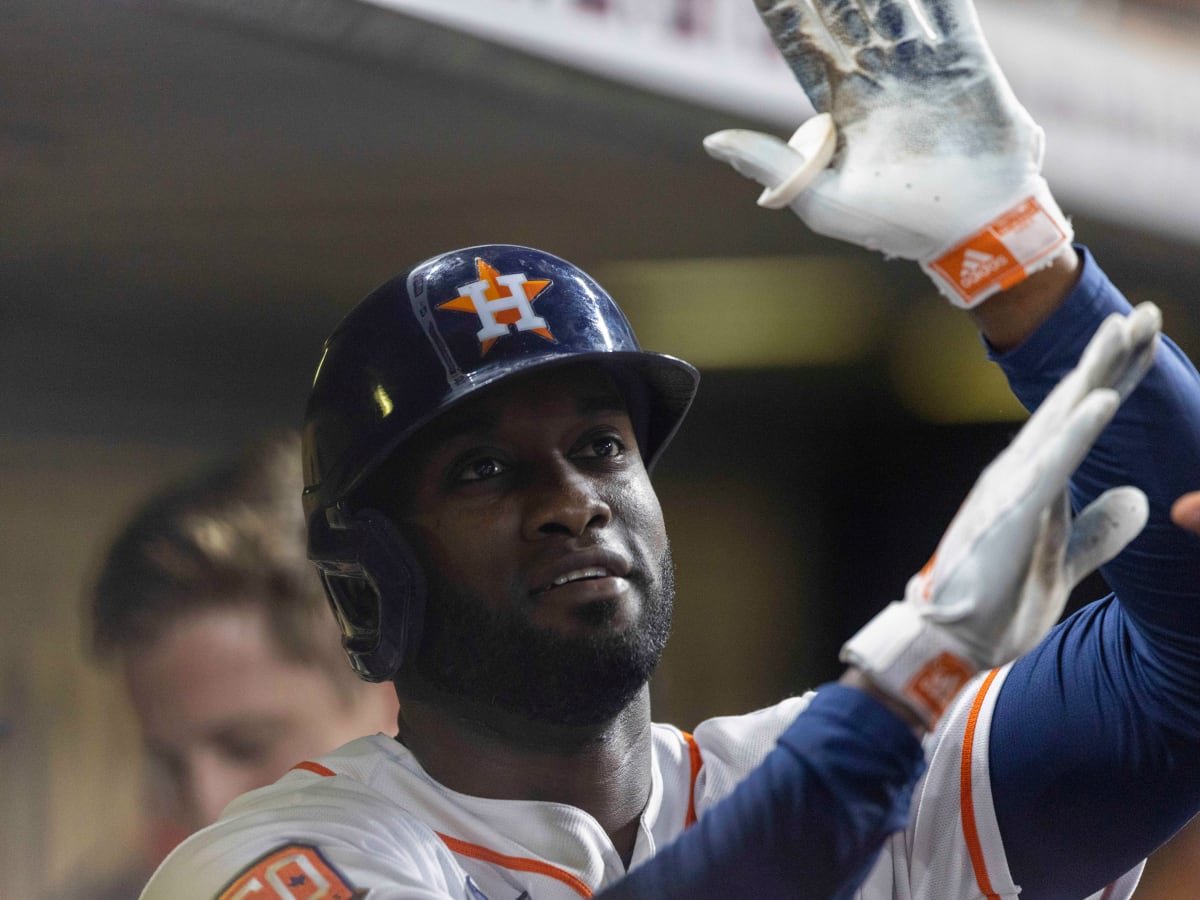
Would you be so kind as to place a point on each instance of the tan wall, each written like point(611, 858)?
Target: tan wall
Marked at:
point(70, 765)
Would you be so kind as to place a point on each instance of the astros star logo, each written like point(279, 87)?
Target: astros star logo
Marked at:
point(501, 301)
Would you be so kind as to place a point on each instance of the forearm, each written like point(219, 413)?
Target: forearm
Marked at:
point(809, 822)
point(854, 678)
point(1112, 698)
point(1010, 317)
point(1153, 442)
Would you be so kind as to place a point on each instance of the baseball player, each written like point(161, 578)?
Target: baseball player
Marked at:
point(478, 441)
point(480, 507)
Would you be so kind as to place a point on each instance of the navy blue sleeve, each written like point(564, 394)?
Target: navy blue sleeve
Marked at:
point(1095, 741)
point(807, 823)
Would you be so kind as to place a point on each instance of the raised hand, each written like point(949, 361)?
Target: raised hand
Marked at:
point(936, 159)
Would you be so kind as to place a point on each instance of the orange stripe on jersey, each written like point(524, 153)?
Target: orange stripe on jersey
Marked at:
point(315, 768)
point(966, 799)
point(516, 863)
point(697, 762)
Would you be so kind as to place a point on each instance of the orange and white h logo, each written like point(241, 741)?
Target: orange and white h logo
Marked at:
point(501, 302)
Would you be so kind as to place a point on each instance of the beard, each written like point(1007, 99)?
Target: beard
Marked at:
point(500, 658)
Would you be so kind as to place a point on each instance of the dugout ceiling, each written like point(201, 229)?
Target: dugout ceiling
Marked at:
point(191, 194)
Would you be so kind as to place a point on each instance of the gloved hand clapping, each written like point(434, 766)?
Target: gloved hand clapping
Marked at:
point(1004, 569)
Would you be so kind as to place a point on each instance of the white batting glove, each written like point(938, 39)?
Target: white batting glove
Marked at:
point(936, 159)
point(1005, 568)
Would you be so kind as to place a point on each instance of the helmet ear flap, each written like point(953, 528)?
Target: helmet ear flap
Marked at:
point(374, 585)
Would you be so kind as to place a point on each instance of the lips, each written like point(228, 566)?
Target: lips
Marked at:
point(571, 568)
point(579, 575)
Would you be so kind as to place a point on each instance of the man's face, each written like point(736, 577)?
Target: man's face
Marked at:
point(550, 581)
point(223, 711)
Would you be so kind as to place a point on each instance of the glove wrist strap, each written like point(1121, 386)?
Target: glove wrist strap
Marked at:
point(912, 659)
point(1008, 249)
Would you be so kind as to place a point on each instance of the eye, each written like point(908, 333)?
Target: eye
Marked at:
point(604, 446)
point(245, 750)
point(480, 469)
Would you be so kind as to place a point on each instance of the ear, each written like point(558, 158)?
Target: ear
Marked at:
point(374, 584)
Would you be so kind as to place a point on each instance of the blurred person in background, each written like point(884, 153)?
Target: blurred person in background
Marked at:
point(207, 606)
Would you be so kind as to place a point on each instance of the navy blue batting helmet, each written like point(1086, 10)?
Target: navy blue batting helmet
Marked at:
point(418, 345)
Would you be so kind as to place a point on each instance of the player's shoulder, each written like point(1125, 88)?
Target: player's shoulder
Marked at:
point(344, 847)
point(724, 749)
point(759, 729)
point(335, 818)
point(764, 724)
point(370, 764)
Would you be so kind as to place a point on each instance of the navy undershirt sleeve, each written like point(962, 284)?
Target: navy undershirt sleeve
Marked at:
point(1095, 741)
point(808, 823)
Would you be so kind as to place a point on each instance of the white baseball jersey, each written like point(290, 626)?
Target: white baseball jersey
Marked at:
point(367, 821)
point(952, 848)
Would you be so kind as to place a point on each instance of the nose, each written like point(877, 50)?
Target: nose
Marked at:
point(564, 501)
